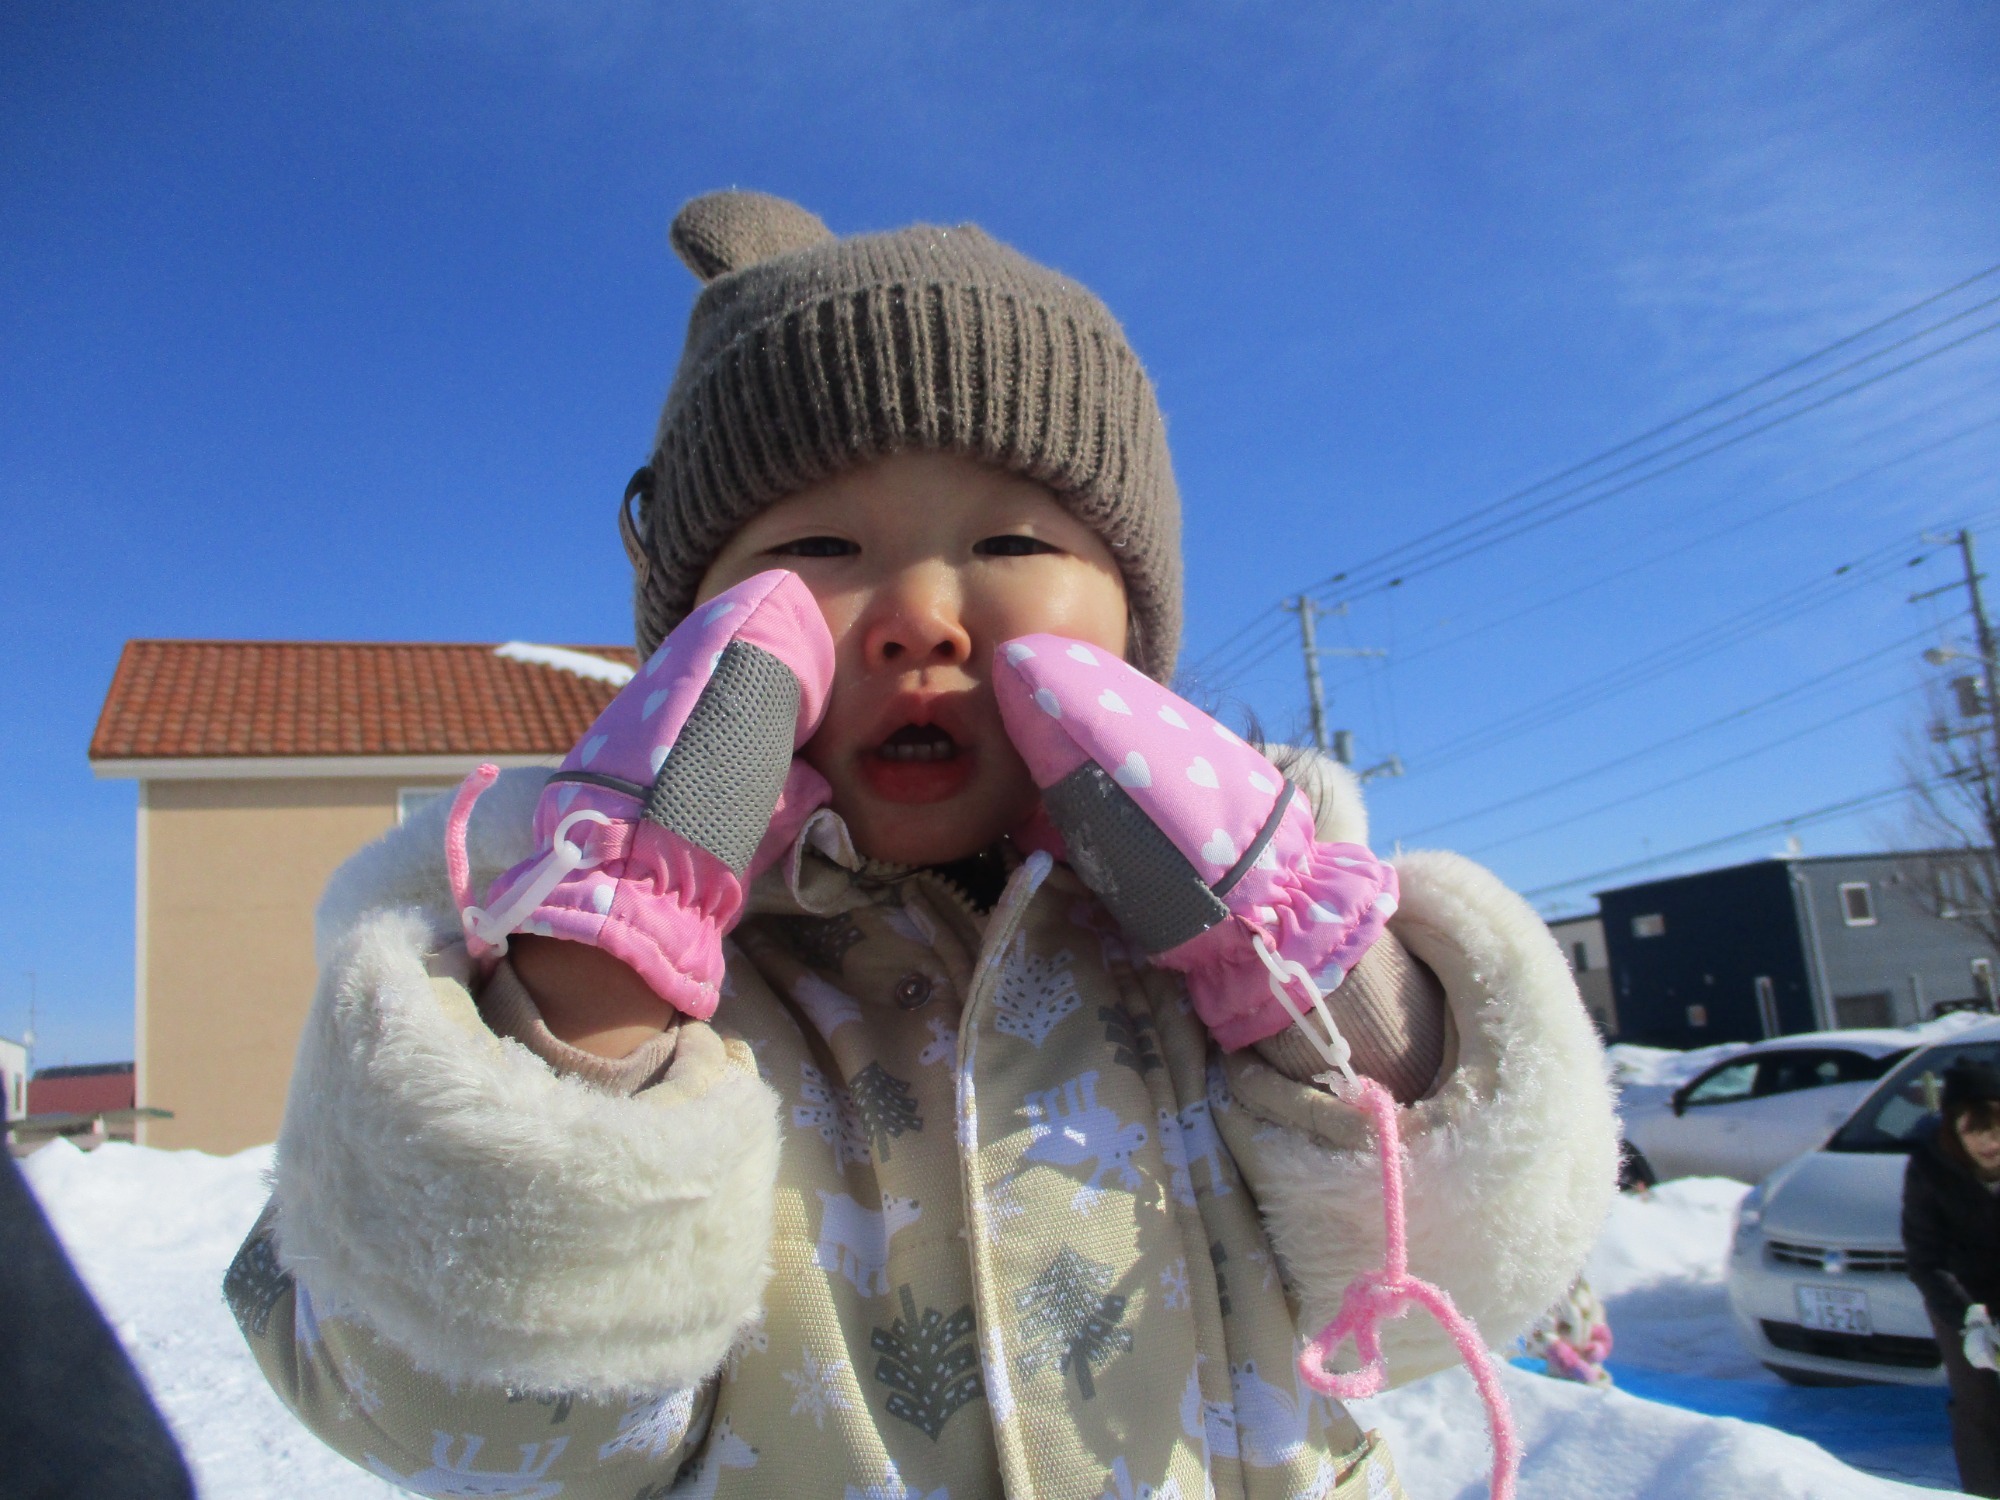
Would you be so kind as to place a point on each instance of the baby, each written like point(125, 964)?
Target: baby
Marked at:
point(881, 1060)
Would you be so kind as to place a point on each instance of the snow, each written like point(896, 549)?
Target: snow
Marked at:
point(1659, 1268)
point(152, 1232)
point(1607, 1445)
point(1647, 1076)
point(582, 663)
point(1663, 1068)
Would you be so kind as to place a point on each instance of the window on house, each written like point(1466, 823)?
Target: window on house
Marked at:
point(1579, 958)
point(1857, 903)
point(1863, 1010)
point(410, 798)
point(1652, 924)
point(1958, 892)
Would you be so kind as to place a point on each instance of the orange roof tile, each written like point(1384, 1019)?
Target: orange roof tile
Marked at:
point(212, 699)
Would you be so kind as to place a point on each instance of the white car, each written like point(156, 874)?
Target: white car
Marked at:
point(1750, 1113)
point(1817, 1278)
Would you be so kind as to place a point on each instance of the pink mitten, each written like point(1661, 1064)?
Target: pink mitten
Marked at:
point(682, 792)
point(1199, 846)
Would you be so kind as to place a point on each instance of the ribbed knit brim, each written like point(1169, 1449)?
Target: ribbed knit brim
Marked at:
point(807, 355)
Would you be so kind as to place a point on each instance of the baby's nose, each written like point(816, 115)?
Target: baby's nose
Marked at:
point(928, 647)
point(918, 623)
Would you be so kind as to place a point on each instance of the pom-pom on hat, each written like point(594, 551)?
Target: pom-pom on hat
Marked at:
point(808, 354)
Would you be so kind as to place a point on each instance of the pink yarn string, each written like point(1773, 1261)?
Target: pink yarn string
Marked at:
point(1375, 1297)
point(457, 865)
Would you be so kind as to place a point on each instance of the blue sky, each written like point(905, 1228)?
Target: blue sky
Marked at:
point(350, 321)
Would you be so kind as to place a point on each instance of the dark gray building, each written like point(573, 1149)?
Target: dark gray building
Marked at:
point(1791, 944)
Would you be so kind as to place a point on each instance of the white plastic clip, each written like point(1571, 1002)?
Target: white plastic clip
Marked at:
point(563, 857)
point(1333, 1046)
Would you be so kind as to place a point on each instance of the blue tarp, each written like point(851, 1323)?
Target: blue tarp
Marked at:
point(1898, 1431)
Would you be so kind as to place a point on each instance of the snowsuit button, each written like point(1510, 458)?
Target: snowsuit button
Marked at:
point(914, 991)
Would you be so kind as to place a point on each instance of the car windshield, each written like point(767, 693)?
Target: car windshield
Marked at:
point(1905, 1109)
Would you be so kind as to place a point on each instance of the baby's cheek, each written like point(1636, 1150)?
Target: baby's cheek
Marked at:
point(1014, 788)
point(822, 751)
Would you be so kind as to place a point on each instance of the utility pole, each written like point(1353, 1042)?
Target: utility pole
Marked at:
point(1984, 866)
point(1342, 741)
point(1309, 612)
point(1983, 633)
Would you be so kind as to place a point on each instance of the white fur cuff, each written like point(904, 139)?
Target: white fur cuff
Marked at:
point(1512, 1162)
point(503, 1225)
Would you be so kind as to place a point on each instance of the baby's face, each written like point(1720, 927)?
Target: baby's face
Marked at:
point(922, 565)
point(1982, 1142)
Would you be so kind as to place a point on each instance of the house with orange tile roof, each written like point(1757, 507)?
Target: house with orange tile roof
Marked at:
point(261, 765)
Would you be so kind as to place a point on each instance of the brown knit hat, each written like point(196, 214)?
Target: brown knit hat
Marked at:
point(807, 355)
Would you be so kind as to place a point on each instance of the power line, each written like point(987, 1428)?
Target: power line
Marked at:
point(1484, 535)
point(1676, 654)
point(1798, 820)
point(1493, 534)
point(1741, 523)
point(1488, 538)
point(1620, 762)
point(1379, 562)
point(1701, 771)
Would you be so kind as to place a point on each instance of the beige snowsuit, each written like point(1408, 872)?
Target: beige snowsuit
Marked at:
point(942, 1205)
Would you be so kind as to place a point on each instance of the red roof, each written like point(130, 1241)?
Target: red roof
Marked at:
point(319, 698)
point(84, 1090)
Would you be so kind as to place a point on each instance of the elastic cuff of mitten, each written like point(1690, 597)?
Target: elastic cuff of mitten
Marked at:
point(1391, 1009)
point(510, 1011)
point(670, 940)
point(681, 962)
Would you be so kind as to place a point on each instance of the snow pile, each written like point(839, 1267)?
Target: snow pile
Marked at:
point(1646, 1077)
point(1605, 1445)
point(152, 1232)
point(1662, 1067)
point(1633, 1066)
point(1659, 1268)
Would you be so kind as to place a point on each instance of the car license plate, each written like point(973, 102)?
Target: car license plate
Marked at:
point(1833, 1309)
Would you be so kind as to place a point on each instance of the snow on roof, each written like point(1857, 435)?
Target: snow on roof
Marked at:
point(596, 668)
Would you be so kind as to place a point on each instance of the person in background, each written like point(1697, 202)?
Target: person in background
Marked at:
point(1951, 1234)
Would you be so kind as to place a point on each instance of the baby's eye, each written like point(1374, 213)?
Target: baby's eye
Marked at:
point(1011, 546)
point(814, 546)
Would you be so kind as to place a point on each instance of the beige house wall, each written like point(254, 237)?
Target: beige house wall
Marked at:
point(229, 873)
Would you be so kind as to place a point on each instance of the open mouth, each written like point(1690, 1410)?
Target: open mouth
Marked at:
point(918, 743)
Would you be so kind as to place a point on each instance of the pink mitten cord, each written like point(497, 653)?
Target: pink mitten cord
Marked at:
point(1375, 1297)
